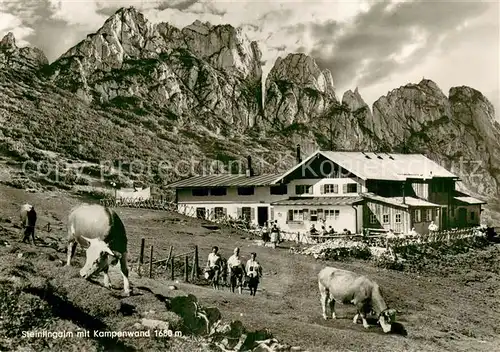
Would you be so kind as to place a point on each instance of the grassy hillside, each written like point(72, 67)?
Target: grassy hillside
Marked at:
point(48, 131)
point(39, 294)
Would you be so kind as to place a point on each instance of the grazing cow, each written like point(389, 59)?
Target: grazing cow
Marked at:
point(28, 221)
point(223, 271)
point(103, 231)
point(347, 287)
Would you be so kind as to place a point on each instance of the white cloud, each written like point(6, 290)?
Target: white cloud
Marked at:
point(82, 13)
point(11, 23)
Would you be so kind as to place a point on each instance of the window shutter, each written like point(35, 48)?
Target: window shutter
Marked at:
point(335, 188)
point(358, 188)
point(321, 214)
point(322, 189)
point(290, 214)
point(306, 214)
point(271, 216)
point(252, 213)
point(224, 211)
point(310, 189)
point(344, 188)
point(239, 212)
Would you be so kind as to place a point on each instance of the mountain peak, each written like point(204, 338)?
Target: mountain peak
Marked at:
point(303, 70)
point(8, 41)
point(20, 58)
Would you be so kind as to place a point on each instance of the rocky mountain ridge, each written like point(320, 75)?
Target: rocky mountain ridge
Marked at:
point(207, 80)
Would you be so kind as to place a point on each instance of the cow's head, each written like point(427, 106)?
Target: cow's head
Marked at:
point(386, 318)
point(99, 257)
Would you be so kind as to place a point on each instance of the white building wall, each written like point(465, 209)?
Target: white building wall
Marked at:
point(346, 220)
point(318, 183)
point(230, 209)
point(261, 195)
point(133, 193)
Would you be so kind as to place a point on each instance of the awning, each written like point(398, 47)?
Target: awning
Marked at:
point(468, 200)
point(398, 201)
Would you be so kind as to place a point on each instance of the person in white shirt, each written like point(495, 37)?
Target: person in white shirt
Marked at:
point(213, 267)
point(433, 227)
point(236, 271)
point(254, 273)
point(275, 235)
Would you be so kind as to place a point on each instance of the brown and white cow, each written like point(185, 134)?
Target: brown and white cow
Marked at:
point(347, 287)
point(101, 229)
point(27, 215)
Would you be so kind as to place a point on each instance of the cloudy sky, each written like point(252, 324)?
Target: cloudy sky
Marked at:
point(374, 45)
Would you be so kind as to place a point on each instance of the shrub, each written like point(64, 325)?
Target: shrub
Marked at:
point(20, 311)
point(342, 253)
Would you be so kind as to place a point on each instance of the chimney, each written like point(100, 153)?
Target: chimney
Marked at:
point(249, 171)
point(404, 192)
point(299, 159)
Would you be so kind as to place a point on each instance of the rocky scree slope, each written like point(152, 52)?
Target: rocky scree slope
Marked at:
point(154, 90)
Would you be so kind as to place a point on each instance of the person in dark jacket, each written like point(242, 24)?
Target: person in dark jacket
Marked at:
point(30, 225)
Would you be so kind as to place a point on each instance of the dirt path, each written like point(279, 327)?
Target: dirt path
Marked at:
point(440, 314)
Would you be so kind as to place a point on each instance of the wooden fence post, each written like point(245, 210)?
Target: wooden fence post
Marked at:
point(169, 256)
point(193, 268)
point(196, 263)
point(298, 237)
point(141, 256)
point(186, 271)
point(172, 274)
point(151, 262)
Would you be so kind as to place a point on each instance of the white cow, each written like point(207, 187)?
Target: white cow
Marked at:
point(347, 287)
point(103, 231)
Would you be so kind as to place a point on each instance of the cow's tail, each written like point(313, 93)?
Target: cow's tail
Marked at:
point(323, 289)
point(71, 232)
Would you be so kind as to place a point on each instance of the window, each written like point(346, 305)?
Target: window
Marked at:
point(278, 190)
point(385, 218)
point(246, 191)
point(219, 212)
point(330, 188)
point(373, 219)
point(303, 189)
point(314, 215)
point(246, 213)
point(332, 214)
point(296, 215)
point(219, 191)
point(428, 215)
point(398, 218)
point(350, 188)
point(200, 213)
point(199, 192)
point(417, 215)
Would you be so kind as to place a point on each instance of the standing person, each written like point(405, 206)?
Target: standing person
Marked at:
point(265, 233)
point(236, 271)
point(213, 267)
point(254, 273)
point(29, 222)
point(323, 233)
point(275, 233)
